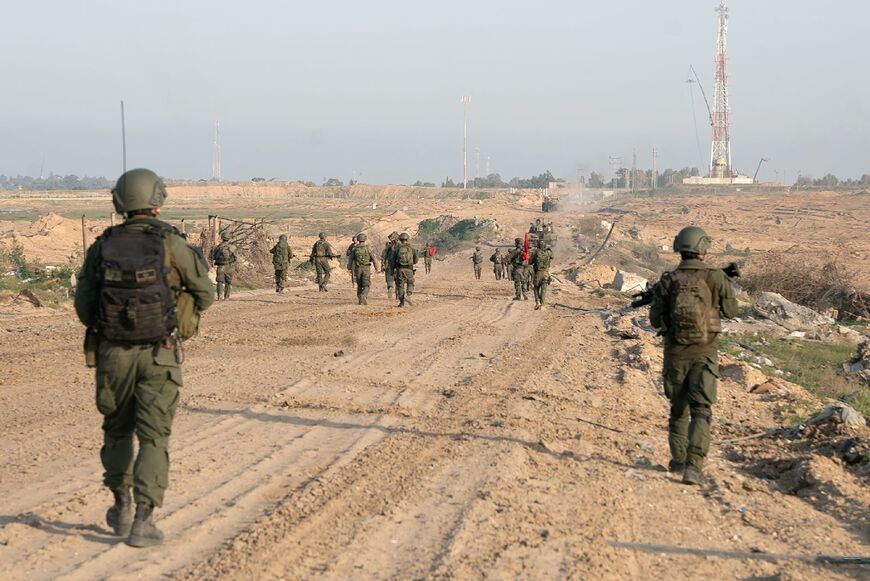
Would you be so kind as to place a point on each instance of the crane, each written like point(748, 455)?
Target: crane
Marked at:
point(761, 161)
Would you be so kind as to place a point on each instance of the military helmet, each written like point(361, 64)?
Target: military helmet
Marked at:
point(404, 237)
point(322, 235)
point(138, 189)
point(692, 240)
point(393, 235)
point(541, 244)
point(282, 237)
point(477, 247)
point(225, 235)
point(361, 237)
point(518, 240)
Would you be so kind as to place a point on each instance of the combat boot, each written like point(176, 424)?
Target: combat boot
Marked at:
point(676, 467)
point(144, 533)
point(693, 475)
point(119, 517)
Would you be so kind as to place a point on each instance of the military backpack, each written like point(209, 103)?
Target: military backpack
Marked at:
point(694, 319)
point(542, 260)
point(362, 255)
point(404, 256)
point(222, 255)
point(137, 304)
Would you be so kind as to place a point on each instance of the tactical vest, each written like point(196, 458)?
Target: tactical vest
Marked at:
point(693, 310)
point(362, 255)
point(320, 249)
point(222, 255)
point(137, 303)
point(542, 260)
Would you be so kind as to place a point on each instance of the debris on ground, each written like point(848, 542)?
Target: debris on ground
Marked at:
point(792, 316)
point(626, 282)
point(859, 363)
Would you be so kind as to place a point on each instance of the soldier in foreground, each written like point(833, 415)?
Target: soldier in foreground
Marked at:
point(477, 262)
point(139, 293)
point(497, 260)
point(321, 253)
point(687, 304)
point(348, 255)
point(540, 263)
point(519, 270)
point(404, 260)
point(223, 256)
point(281, 255)
point(387, 262)
point(362, 259)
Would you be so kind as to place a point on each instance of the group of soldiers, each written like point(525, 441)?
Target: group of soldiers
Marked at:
point(142, 286)
point(540, 227)
point(528, 269)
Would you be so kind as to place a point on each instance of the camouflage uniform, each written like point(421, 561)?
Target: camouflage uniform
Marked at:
point(404, 272)
point(321, 252)
point(690, 371)
point(223, 256)
point(427, 258)
point(350, 266)
point(281, 255)
point(519, 271)
point(540, 263)
point(387, 262)
point(363, 259)
point(497, 260)
point(477, 262)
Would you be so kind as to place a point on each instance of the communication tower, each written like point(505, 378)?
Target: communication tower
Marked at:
point(216, 153)
point(720, 152)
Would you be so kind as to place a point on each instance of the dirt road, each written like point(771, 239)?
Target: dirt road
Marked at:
point(317, 439)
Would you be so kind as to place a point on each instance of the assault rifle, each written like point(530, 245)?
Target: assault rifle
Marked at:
point(645, 297)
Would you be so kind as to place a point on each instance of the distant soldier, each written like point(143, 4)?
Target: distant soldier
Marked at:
point(281, 255)
point(362, 259)
point(532, 227)
point(687, 306)
point(540, 263)
point(404, 260)
point(350, 266)
point(477, 262)
point(321, 252)
point(223, 256)
point(538, 225)
point(387, 262)
point(519, 270)
point(428, 254)
point(140, 291)
point(497, 260)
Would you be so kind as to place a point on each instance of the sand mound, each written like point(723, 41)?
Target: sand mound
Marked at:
point(51, 239)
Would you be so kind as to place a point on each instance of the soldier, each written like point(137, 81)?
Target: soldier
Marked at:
point(428, 253)
point(687, 305)
point(362, 259)
point(350, 267)
point(519, 270)
point(139, 293)
point(477, 262)
point(281, 255)
point(387, 261)
point(321, 252)
point(223, 256)
point(540, 263)
point(497, 260)
point(404, 258)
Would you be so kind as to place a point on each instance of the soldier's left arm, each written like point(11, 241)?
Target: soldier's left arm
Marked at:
point(727, 301)
point(193, 273)
point(658, 308)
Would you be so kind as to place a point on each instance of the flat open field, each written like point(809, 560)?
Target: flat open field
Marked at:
point(467, 436)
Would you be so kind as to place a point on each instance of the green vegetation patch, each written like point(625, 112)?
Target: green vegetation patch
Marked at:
point(50, 285)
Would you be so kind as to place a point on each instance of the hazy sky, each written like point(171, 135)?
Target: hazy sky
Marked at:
point(320, 88)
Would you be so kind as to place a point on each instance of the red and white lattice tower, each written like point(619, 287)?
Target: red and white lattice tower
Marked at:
point(720, 152)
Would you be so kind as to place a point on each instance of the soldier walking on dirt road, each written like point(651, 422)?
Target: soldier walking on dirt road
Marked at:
point(540, 263)
point(477, 262)
point(497, 260)
point(519, 270)
point(404, 260)
point(347, 254)
point(428, 254)
point(362, 258)
point(281, 255)
point(139, 294)
point(687, 306)
point(223, 256)
point(387, 262)
point(321, 253)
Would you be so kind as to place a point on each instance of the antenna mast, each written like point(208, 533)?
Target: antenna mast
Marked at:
point(216, 153)
point(720, 151)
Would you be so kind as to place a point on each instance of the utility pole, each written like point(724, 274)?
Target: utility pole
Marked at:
point(487, 166)
point(655, 173)
point(464, 99)
point(476, 165)
point(633, 169)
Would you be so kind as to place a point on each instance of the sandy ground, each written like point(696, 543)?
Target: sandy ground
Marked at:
point(452, 439)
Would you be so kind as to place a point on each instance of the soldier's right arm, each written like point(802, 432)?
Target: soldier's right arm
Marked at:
point(87, 298)
point(658, 308)
point(194, 274)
